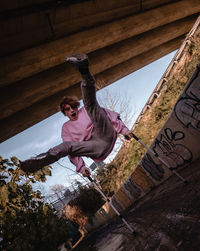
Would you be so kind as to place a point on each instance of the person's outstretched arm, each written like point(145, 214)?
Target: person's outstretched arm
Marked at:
point(124, 130)
point(118, 124)
point(80, 165)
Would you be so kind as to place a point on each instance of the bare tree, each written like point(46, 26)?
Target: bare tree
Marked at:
point(58, 191)
point(57, 188)
point(118, 102)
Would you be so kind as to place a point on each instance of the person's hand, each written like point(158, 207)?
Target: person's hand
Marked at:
point(128, 135)
point(86, 172)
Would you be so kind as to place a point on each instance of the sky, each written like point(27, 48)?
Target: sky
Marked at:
point(138, 86)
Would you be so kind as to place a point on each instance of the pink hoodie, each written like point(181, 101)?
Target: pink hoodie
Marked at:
point(81, 130)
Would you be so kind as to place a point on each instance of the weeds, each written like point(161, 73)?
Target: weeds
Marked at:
point(153, 120)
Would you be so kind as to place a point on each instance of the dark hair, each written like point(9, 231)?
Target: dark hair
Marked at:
point(72, 101)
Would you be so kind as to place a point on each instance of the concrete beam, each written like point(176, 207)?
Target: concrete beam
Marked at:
point(74, 6)
point(37, 59)
point(59, 78)
point(33, 29)
point(41, 110)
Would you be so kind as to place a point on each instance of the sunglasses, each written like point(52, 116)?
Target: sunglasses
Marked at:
point(72, 107)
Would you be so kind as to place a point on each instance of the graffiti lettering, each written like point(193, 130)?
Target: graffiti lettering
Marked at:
point(175, 155)
point(133, 190)
point(155, 170)
point(187, 108)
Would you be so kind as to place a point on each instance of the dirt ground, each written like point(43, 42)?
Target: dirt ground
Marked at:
point(168, 218)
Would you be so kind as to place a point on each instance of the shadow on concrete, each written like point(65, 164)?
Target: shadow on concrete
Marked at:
point(168, 218)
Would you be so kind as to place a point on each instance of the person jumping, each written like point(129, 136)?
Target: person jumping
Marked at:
point(91, 130)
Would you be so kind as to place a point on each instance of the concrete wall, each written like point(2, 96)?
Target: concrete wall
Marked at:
point(177, 143)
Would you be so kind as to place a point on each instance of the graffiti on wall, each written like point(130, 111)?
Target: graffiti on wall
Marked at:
point(155, 170)
point(132, 189)
point(141, 179)
point(175, 155)
point(187, 108)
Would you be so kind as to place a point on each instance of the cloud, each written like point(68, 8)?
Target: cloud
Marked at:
point(34, 147)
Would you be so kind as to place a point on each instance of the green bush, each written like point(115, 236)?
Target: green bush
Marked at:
point(89, 200)
point(26, 222)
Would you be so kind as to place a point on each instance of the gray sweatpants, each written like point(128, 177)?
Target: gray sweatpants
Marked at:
point(103, 133)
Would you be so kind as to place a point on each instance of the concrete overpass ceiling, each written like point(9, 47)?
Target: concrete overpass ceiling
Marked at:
point(119, 36)
point(38, 22)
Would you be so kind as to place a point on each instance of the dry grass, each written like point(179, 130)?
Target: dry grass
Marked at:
point(153, 120)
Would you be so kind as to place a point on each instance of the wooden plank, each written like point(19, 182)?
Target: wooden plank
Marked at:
point(41, 110)
point(37, 59)
point(45, 84)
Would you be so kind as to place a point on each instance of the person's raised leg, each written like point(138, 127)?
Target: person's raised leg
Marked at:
point(52, 155)
point(84, 148)
point(102, 126)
